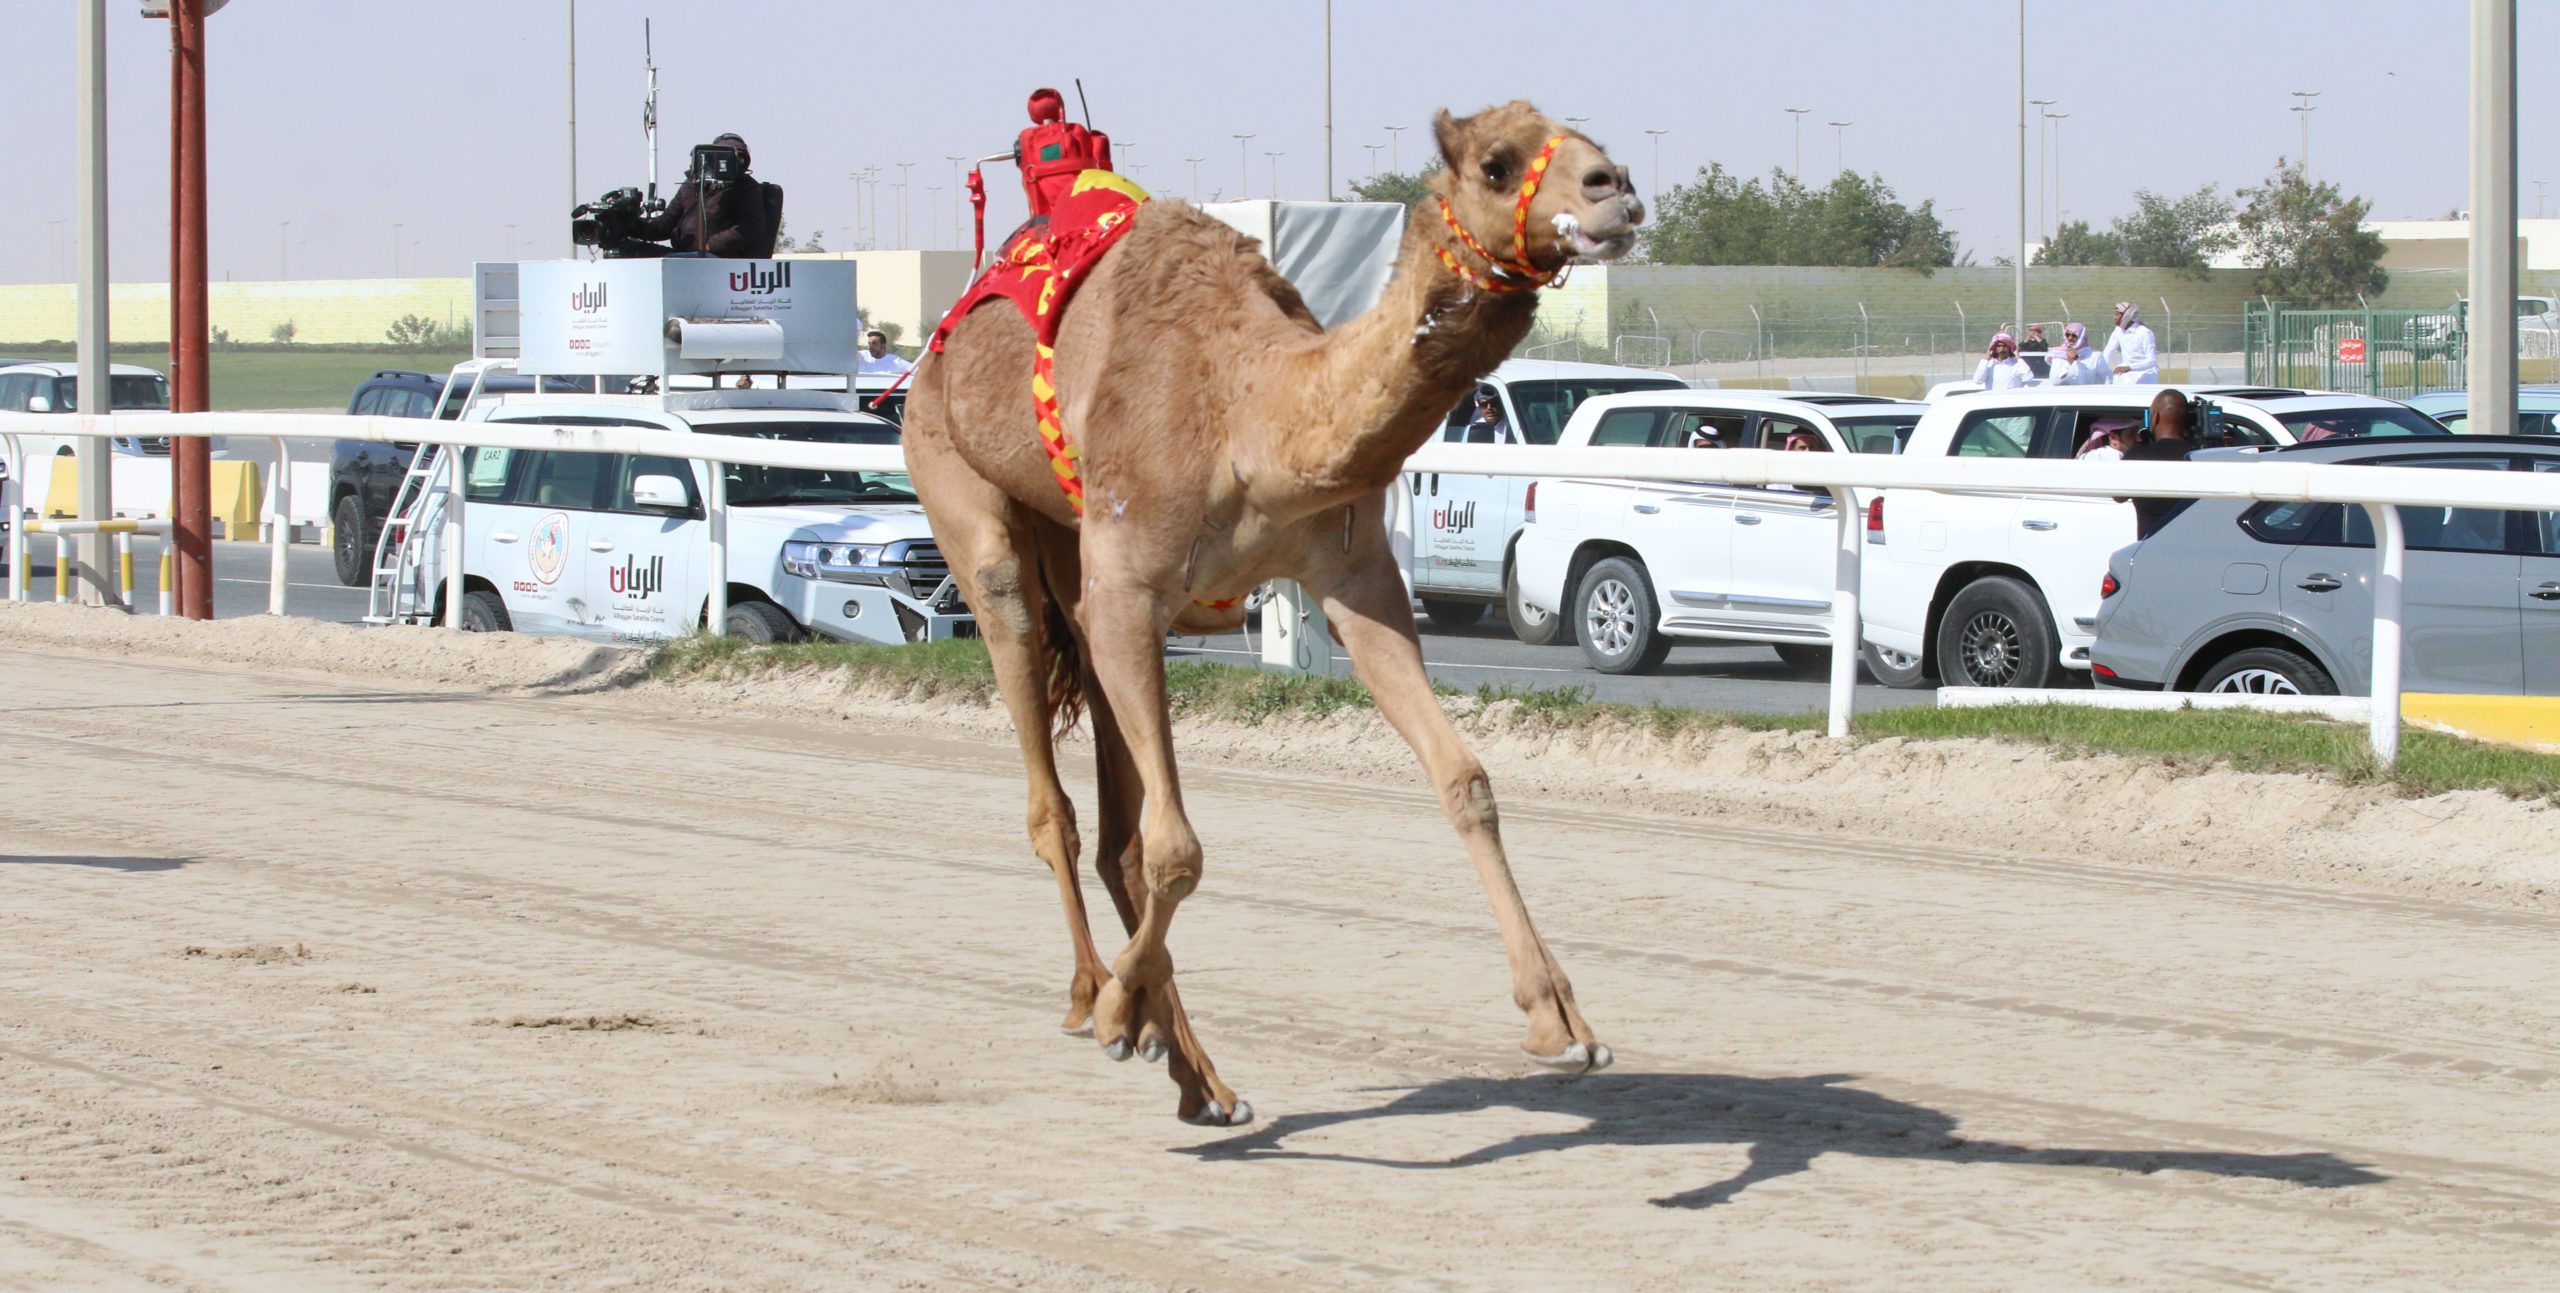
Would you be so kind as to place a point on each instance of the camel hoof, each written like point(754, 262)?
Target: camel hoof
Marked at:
point(1575, 1059)
point(1215, 1114)
point(1084, 1029)
point(1151, 1050)
point(1118, 1050)
point(1601, 1057)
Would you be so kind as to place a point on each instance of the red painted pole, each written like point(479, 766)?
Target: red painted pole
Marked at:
point(193, 455)
point(177, 370)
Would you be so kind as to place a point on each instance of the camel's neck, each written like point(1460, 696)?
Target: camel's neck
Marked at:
point(1380, 384)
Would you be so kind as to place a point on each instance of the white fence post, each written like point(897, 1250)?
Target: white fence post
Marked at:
point(2390, 565)
point(13, 490)
point(279, 525)
point(1294, 636)
point(715, 607)
point(1844, 610)
point(453, 589)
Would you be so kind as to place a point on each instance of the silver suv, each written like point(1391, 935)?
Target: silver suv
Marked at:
point(2277, 598)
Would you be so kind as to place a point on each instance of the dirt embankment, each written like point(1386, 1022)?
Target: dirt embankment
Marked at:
point(1999, 798)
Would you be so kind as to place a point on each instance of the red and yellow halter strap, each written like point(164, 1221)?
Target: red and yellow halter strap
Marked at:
point(1513, 273)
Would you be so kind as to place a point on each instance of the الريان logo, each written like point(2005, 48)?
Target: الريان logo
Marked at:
point(636, 581)
point(548, 550)
point(1456, 518)
point(587, 299)
point(758, 280)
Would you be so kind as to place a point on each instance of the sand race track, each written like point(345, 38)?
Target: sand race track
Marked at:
point(381, 978)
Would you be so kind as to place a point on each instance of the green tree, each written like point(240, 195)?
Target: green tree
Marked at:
point(1721, 219)
point(282, 333)
point(1395, 186)
point(2183, 234)
point(2076, 243)
point(2309, 242)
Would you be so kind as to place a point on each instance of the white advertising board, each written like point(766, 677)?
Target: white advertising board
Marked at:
point(612, 316)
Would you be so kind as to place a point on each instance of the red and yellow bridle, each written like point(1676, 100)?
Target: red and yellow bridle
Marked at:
point(1504, 274)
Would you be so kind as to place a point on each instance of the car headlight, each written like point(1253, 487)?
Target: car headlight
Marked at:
point(821, 560)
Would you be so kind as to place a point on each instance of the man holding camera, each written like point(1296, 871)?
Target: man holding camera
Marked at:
point(718, 207)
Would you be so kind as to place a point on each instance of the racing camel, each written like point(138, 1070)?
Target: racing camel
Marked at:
point(1192, 432)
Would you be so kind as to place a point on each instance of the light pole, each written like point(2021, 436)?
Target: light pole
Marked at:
point(1374, 150)
point(1797, 115)
point(1395, 150)
point(1656, 177)
point(2044, 112)
point(1244, 166)
point(283, 263)
point(1195, 176)
point(395, 248)
point(2539, 192)
point(2057, 118)
point(2018, 315)
point(574, 199)
point(2304, 107)
point(1275, 154)
point(1840, 146)
point(903, 223)
point(959, 233)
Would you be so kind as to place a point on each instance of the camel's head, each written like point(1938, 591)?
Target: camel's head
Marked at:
point(1583, 206)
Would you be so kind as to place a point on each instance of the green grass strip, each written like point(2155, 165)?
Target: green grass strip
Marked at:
point(2195, 740)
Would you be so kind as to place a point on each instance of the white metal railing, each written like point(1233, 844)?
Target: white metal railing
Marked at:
point(2275, 478)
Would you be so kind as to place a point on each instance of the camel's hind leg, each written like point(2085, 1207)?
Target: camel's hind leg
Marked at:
point(1365, 600)
point(992, 548)
point(1119, 860)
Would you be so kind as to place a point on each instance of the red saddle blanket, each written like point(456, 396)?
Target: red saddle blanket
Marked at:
point(1038, 270)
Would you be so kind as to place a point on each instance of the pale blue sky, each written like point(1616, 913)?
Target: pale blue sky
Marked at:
point(344, 116)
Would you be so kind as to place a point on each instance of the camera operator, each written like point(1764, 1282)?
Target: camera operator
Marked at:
point(735, 216)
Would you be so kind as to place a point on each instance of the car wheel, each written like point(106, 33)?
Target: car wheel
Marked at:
point(759, 622)
point(1616, 621)
point(1453, 615)
point(1529, 624)
point(1895, 668)
point(1805, 659)
point(346, 544)
point(484, 612)
point(1996, 634)
point(2268, 671)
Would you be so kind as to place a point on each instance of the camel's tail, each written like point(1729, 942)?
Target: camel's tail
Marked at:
point(1066, 672)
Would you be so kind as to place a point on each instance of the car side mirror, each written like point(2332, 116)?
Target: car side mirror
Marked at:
point(660, 493)
point(39, 404)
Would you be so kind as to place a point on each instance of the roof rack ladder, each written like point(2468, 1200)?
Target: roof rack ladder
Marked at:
point(400, 593)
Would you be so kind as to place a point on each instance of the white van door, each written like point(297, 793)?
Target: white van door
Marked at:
point(646, 565)
point(534, 545)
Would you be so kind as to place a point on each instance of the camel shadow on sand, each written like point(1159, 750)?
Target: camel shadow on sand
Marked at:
point(1787, 1122)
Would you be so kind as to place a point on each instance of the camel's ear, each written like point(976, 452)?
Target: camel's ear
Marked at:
point(1445, 128)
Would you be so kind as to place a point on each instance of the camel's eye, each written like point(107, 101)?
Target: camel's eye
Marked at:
point(1496, 172)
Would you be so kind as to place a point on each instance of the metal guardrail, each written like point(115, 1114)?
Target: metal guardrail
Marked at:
point(2379, 490)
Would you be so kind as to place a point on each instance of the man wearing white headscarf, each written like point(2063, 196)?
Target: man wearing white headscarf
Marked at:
point(2133, 353)
point(2077, 363)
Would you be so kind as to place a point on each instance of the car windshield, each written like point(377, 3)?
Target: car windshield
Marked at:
point(2329, 424)
point(755, 486)
point(1881, 434)
point(1543, 406)
point(133, 391)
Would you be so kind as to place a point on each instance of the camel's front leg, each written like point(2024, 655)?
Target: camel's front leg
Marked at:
point(1139, 1010)
point(1366, 601)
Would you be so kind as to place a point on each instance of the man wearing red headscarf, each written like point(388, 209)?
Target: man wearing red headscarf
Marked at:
point(1054, 151)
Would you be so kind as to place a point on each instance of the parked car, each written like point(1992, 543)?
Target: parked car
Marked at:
point(615, 546)
point(2277, 597)
point(2537, 409)
point(2533, 314)
point(364, 475)
point(53, 386)
point(1998, 589)
point(1630, 566)
point(1464, 527)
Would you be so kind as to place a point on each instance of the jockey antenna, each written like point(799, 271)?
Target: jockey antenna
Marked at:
point(649, 112)
point(1088, 108)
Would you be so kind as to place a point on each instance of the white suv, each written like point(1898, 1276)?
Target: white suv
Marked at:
point(616, 546)
point(2002, 590)
point(1631, 565)
point(1464, 526)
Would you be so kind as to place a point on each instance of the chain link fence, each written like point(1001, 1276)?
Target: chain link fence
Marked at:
point(1779, 343)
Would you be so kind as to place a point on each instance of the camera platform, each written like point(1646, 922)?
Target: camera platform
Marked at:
point(679, 315)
